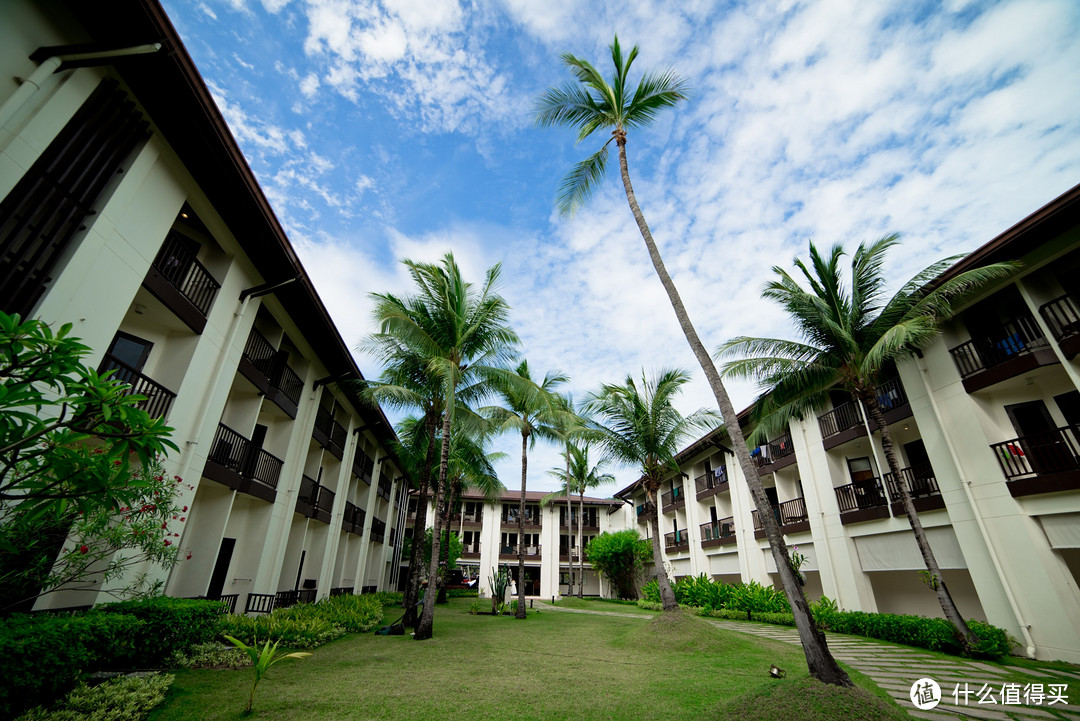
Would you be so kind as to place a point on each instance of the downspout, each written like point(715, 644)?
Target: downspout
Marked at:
point(31, 85)
point(988, 542)
point(873, 449)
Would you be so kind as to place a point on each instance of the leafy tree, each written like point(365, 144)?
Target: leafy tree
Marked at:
point(532, 410)
point(849, 335)
point(449, 553)
point(591, 104)
point(455, 332)
point(69, 437)
point(621, 557)
point(640, 427)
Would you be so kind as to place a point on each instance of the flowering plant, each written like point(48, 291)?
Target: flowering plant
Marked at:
point(797, 562)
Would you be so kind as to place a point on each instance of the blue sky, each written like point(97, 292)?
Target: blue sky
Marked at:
point(383, 129)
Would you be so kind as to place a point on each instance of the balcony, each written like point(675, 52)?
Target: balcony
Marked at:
point(383, 489)
point(845, 422)
point(353, 520)
point(284, 599)
point(328, 433)
point(470, 550)
point(709, 484)
point(862, 500)
point(591, 522)
point(642, 516)
point(158, 398)
point(791, 515)
point(508, 552)
point(921, 485)
point(677, 541)
point(363, 466)
point(1041, 463)
point(314, 500)
point(476, 518)
point(1062, 316)
point(268, 370)
point(235, 462)
point(378, 530)
point(569, 555)
point(1017, 348)
point(774, 455)
point(532, 517)
point(673, 500)
point(718, 533)
point(182, 283)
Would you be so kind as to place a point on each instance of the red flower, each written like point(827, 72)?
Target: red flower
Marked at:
point(182, 519)
point(168, 543)
point(188, 557)
point(184, 509)
point(164, 525)
point(159, 478)
point(116, 463)
point(84, 549)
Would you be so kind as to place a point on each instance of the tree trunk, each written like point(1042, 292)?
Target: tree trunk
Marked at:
point(412, 587)
point(580, 547)
point(521, 527)
point(964, 635)
point(448, 507)
point(427, 619)
point(667, 596)
point(820, 662)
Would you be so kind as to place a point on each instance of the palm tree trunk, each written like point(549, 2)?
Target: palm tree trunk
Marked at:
point(580, 547)
point(427, 619)
point(412, 587)
point(819, 660)
point(667, 596)
point(521, 526)
point(448, 507)
point(964, 635)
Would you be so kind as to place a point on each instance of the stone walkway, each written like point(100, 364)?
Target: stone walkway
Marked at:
point(896, 668)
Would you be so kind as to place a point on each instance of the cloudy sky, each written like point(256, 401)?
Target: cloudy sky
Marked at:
point(388, 129)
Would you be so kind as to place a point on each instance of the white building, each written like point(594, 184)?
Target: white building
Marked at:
point(127, 208)
point(985, 423)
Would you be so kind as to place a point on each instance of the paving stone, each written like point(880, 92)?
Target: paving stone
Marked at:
point(931, 715)
point(972, 711)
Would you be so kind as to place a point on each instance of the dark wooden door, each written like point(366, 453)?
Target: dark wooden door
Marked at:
point(221, 568)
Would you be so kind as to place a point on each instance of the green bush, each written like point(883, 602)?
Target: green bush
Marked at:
point(388, 598)
point(291, 627)
point(755, 598)
point(460, 593)
point(169, 625)
point(355, 614)
point(121, 699)
point(45, 656)
point(650, 605)
point(210, 655)
point(651, 591)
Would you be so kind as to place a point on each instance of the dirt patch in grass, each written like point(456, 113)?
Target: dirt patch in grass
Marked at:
point(680, 632)
point(806, 699)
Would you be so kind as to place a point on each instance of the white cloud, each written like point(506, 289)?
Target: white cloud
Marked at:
point(309, 85)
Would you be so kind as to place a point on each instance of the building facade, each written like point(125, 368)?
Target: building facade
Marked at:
point(127, 209)
point(490, 540)
point(985, 425)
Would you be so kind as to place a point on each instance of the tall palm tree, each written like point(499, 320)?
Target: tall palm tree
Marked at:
point(594, 103)
point(850, 333)
point(459, 332)
point(640, 427)
point(531, 409)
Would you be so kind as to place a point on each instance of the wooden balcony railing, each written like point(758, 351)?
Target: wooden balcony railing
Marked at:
point(470, 549)
point(891, 395)
point(285, 599)
point(590, 520)
point(677, 540)
point(920, 482)
point(229, 599)
point(363, 466)
point(178, 265)
point(1062, 315)
point(787, 513)
point(860, 495)
point(1039, 454)
point(235, 452)
point(773, 451)
point(505, 550)
point(328, 433)
point(723, 528)
point(158, 398)
point(839, 419)
point(675, 498)
point(378, 530)
point(1019, 336)
point(642, 516)
point(353, 519)
point(716, 480)
point(259, 603)
point(342, 590)
point(531, 518)
point(383, 490)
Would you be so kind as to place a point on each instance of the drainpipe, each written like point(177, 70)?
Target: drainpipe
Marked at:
point(988, 542)
point(29, 86)
point(873, 449)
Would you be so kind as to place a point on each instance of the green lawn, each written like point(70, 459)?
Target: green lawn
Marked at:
point(592, 604)
point(550, 666)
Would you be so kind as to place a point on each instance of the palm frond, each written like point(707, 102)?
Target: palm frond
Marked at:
point(578, 186)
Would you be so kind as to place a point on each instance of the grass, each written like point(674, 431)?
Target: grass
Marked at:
point(592, 604)
point(550, 666)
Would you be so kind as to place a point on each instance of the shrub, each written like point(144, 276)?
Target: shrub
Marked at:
point(650, 605)
point(288, 627)
point(210, 655)
point(169, 625)
point(755, 598)
point(651, 591)
point(355, 614)
point(45, 656)
point(388, 598)
point(121, 699)
point(460, 593)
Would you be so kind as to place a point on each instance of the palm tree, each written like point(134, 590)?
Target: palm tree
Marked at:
point(640, 427)
point(458, 332)
point(850, 334)
point(531, 409)
point(594, 103)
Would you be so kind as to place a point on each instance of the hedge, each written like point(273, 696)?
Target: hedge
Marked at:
point(170, 625)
